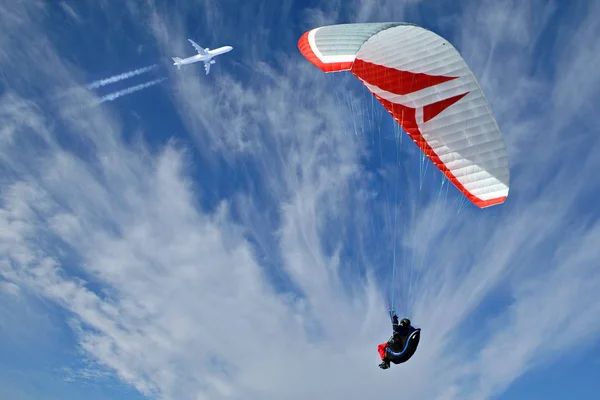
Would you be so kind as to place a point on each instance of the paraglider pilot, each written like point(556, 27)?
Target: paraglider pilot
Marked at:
point(401, 346)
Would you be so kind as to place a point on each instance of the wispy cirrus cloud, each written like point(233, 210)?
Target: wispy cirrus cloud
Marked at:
point(248, 296)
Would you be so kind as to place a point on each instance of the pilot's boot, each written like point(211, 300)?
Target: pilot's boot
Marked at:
point(385, 364)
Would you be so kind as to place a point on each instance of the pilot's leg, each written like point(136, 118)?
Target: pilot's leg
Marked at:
point(385, 363)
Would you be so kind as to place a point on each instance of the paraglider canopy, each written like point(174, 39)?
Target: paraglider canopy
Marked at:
point(425, 84)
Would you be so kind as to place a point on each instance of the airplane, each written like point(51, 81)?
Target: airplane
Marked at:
point(205, 55)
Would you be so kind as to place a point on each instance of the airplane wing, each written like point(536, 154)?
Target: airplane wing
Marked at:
point(207, 66)
point(199, 49)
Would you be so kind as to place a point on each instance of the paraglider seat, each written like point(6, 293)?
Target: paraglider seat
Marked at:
point(407, 351)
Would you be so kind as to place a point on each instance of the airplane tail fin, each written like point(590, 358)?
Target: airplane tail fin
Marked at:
point(177, 62)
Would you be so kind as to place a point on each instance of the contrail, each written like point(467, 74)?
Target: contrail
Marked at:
point(120, 77)
point(133, 89)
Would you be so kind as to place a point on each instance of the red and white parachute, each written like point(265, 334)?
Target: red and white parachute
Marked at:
point(423, 81)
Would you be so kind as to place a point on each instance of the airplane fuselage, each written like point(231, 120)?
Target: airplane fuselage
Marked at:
point(206, 57)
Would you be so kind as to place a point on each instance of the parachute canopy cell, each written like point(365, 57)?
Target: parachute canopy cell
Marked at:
point(425, 84)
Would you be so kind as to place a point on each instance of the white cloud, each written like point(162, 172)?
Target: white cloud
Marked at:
point(70, 11)
point(173, 298)
point(9, 288)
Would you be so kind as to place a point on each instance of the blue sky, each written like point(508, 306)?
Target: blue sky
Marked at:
point(231, 236)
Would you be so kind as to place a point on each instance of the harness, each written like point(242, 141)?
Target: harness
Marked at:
point(412, 341)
